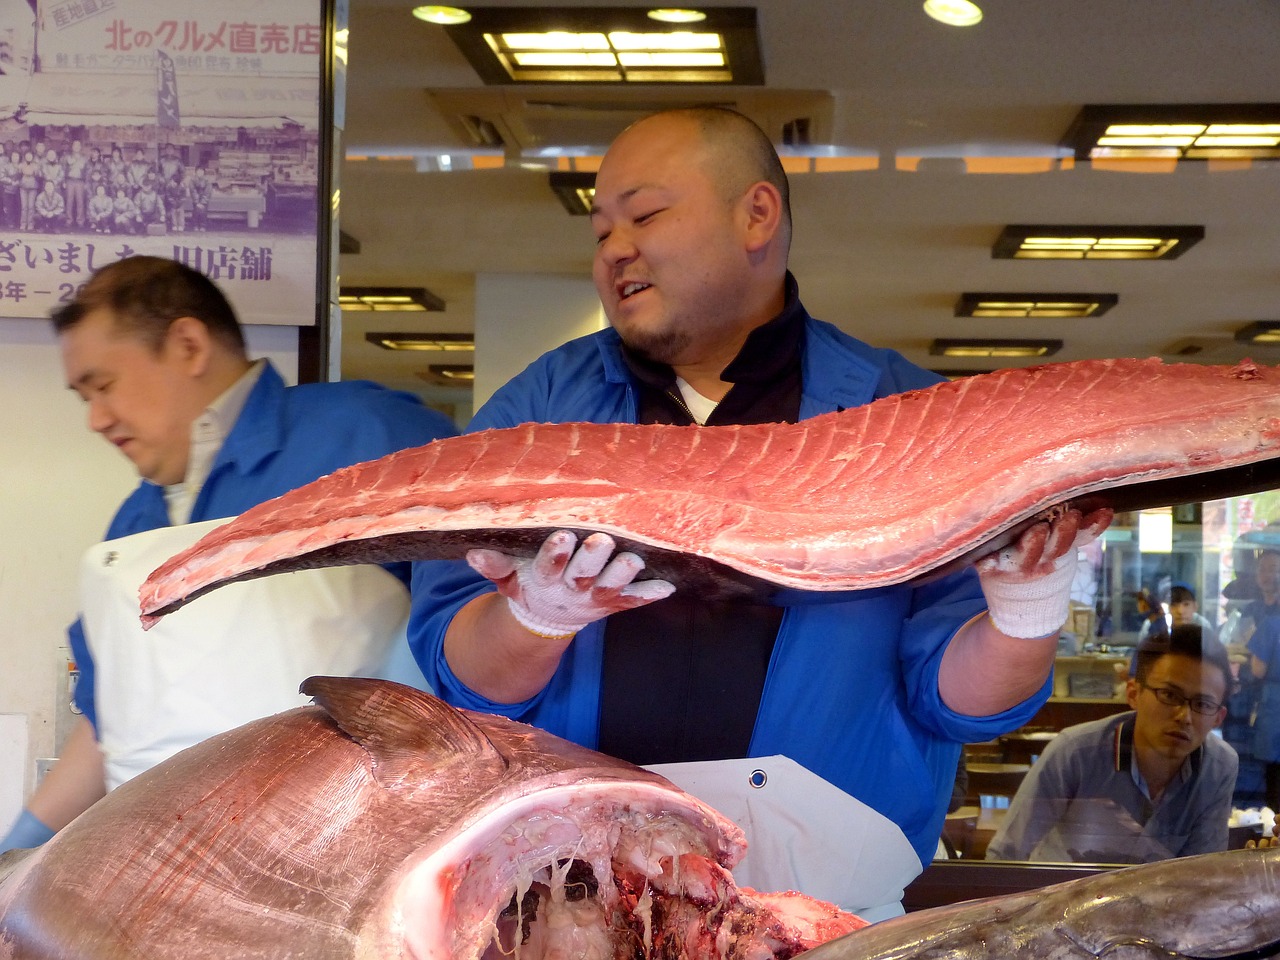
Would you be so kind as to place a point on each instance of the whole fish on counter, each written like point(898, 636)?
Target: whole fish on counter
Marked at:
point(904, 487)
point(1215, 906)
point(383, 824)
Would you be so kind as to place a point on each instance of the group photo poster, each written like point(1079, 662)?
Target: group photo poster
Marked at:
point(182, 129)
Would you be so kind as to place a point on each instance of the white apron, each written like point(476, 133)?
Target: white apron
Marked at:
point(233, 655)
point(805, 834)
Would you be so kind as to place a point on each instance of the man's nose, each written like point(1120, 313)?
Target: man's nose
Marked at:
point(100, 416)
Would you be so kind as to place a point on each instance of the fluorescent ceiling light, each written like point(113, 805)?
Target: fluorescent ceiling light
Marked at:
point(1001, 349)
point(955, 13)
point(453, 374)
point(605, 45)
point(1094, 242)
point(445, 16)
point(575, 189)
point(677, 15)
point(1030, 305)
point(1264, 332)
point(406, 299)
point(408, 340)
point(1207, 131)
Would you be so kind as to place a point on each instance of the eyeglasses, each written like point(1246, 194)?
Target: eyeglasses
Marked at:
point(1205, 706)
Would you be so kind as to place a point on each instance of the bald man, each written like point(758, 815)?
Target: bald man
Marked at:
point(863, 703)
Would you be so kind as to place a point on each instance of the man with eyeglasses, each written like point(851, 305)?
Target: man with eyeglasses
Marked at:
point(1145, 785)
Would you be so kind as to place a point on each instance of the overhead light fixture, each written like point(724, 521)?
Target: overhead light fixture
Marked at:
point(404, 340)
point(452, 374)
point(576, 190)
point(1205, 131)
point(444, 16)
point(995, 349)
point(406, 299)
point(1094, 242)
point(1264, 332)
point(508, 45)
point(1035, 304)
point(955, 13)
point(677, 15)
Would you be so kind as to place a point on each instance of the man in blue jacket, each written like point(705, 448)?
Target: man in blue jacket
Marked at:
point(874, 695)
point(158, 356)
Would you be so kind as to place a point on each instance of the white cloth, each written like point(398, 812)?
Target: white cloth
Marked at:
point(804, 833)
point(234, 655)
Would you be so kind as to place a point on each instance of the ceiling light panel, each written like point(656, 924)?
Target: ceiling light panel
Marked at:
point(1213, 131)
point(603, 45)
point(1264, 332)
point(395, 299)
point(409, 340)
point(1094, 242)
point(1032, 305)
point(576, 190)
point(994, 349)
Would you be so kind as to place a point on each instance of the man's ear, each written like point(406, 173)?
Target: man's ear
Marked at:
point(189, 342)
point(1131, 691)
point(762, 205)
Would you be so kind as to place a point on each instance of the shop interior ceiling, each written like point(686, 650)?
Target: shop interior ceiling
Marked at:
point(966, 124)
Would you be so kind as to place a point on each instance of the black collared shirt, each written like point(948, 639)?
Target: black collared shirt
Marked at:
point(682, 678)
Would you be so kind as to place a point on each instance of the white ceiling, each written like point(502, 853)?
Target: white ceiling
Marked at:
point(883, 253)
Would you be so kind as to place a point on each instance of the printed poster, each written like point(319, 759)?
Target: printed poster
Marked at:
point(188, 130)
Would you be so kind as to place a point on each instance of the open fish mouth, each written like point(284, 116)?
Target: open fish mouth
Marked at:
point(579, 872)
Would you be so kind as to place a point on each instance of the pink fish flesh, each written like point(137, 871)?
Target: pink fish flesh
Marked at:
point(384, 824)
point(868, 497)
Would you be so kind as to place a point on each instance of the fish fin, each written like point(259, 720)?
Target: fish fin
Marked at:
point(410, 735)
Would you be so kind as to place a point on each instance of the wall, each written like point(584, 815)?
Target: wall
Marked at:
point(521, 316)
point(59, 485)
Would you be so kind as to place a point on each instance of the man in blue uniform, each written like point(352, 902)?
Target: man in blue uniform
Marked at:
point(157, 354)
point(874, 695)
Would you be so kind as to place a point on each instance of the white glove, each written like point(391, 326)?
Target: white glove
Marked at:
point(1028, 583)
point(559, 591)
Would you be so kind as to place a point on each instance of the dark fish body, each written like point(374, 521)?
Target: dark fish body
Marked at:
point(384, 824)
point(900, 489)
point(1224, 906)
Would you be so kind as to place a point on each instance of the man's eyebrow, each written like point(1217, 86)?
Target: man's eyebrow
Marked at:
point(622, 197)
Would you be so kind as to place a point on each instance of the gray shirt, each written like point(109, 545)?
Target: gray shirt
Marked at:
point(1083, 801)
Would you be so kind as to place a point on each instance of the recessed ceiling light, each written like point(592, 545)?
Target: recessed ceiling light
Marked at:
point(1002, 349)
point(1094, 242)
point(445, 16)
point(408, 299)
point(1207, 131)
point(1029, 305)
point(955, 13)
point(454, 374)
point(1265, 332)
point(403, 340)
point(677, 15)
point(508, 45)
point(576, 190)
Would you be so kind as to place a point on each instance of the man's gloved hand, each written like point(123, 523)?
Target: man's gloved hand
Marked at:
point(559, 591)
point(27, 831)
point(1028, 583)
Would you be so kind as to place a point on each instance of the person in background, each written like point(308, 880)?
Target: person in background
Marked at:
point(124, 212)
point(100, 210)
point(50, 209)
point(75, 166)
point(1262, 617)
point(28, 187)
point(10, 177)
point(1182, 609)
point(201, 188)
point(1140, 786)
point(158, 356)
point(873, 695)
point(150, 205)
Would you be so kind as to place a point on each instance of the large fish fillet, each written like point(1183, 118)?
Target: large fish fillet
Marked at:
point(383, 824)
point(868, 497)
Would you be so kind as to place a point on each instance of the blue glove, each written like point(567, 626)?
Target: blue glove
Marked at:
point(27, 831)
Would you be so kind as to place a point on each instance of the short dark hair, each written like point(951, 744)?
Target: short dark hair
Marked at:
point(1187, 640)
point(1180, 593)
point(146, 294)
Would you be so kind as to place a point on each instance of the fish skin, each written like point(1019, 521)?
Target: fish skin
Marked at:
point(1093, 433)
point(1216, 905)
point(344, 830)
